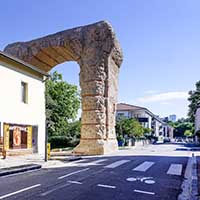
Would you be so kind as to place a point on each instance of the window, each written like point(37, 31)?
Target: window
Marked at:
point(120, 114)
point(24, 92)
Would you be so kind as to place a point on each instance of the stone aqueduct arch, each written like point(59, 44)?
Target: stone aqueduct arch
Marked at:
point(95, 48)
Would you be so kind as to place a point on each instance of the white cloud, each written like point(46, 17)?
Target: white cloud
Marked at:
point(166, 103)
point(150, 92)
point(163, 97)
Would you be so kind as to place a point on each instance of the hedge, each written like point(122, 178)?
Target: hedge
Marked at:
point(62, 141)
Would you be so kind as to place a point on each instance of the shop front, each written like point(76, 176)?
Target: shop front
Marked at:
point(17, 136)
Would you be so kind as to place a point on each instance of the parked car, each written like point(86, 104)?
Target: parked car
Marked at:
point(179, 140)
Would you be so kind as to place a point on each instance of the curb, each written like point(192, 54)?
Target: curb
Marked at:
point(19, 169)
point(190, 184)
point(194, 181)
point(74, 158)
point(69, 158)
point(188, 149)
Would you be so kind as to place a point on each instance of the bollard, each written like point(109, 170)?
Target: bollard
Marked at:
point(48, 151)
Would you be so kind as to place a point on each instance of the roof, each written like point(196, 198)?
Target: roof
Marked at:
point(124, 106)
point(129, 107)
point(7, 56)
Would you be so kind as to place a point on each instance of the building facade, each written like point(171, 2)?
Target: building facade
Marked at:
point(22, 106)
point(145, 117)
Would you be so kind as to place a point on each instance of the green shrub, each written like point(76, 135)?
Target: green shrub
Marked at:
point(62, 142)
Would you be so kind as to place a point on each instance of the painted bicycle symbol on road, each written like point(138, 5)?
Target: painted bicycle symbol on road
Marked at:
point(147, 180)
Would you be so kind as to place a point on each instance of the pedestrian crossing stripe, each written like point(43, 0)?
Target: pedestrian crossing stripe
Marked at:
point(117, 164)
point(144, 166)
point(175, 169)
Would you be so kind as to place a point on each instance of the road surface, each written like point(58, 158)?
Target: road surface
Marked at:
point(153, 172)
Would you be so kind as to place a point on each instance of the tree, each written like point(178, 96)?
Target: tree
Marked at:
point(62, 104)
point(180, 126)
point(188, 133)
point(130, 127)
point(194, 99)
point(147, 130)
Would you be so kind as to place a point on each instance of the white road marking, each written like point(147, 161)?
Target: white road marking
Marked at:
point(131, 179)
point(96, 162)
point(75, 182)
point(54, 189)
point(106, 186)
point(144, 166)
point(19, 191)
point(117, 163)
point(144, 192)
point(72, 173)
point(99, 161)
point(145, 178)
point(86, 164)
point(149, 182)
point(175, 169)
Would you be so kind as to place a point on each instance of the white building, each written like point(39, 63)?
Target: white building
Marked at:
point(22, 106)
point(145, 117)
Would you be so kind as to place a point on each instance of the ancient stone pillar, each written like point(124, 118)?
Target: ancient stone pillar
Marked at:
point(97, 51)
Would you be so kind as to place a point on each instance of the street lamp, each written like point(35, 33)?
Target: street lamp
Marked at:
point(46, 125)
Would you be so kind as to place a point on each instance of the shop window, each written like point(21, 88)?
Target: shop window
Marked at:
point(24, 92)
point(18, 137)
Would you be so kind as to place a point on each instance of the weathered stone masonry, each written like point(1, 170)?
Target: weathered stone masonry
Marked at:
point(97, 51)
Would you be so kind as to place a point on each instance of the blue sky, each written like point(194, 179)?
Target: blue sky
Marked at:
point(160, 41)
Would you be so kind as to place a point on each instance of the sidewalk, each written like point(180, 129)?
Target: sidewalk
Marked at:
point(18, 164)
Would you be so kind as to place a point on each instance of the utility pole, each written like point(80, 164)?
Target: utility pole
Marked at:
point(46, 126)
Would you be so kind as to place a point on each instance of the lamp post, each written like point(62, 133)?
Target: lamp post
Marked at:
point(46, 139)
point(46, 125)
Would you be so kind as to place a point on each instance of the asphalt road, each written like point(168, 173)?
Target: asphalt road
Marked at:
point(121, 177)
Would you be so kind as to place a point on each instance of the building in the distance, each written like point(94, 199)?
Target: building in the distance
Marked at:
point(146, 118)
point(22, 106)
point(172, 118)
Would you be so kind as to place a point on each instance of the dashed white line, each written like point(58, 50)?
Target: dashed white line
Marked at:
point(54, 189)
point(107, 186)
point(72, 173)
point(75, 182)
point(19, 191)
point(117, 163)
point(175, 169)
point(144, 192)
point(144, 166)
